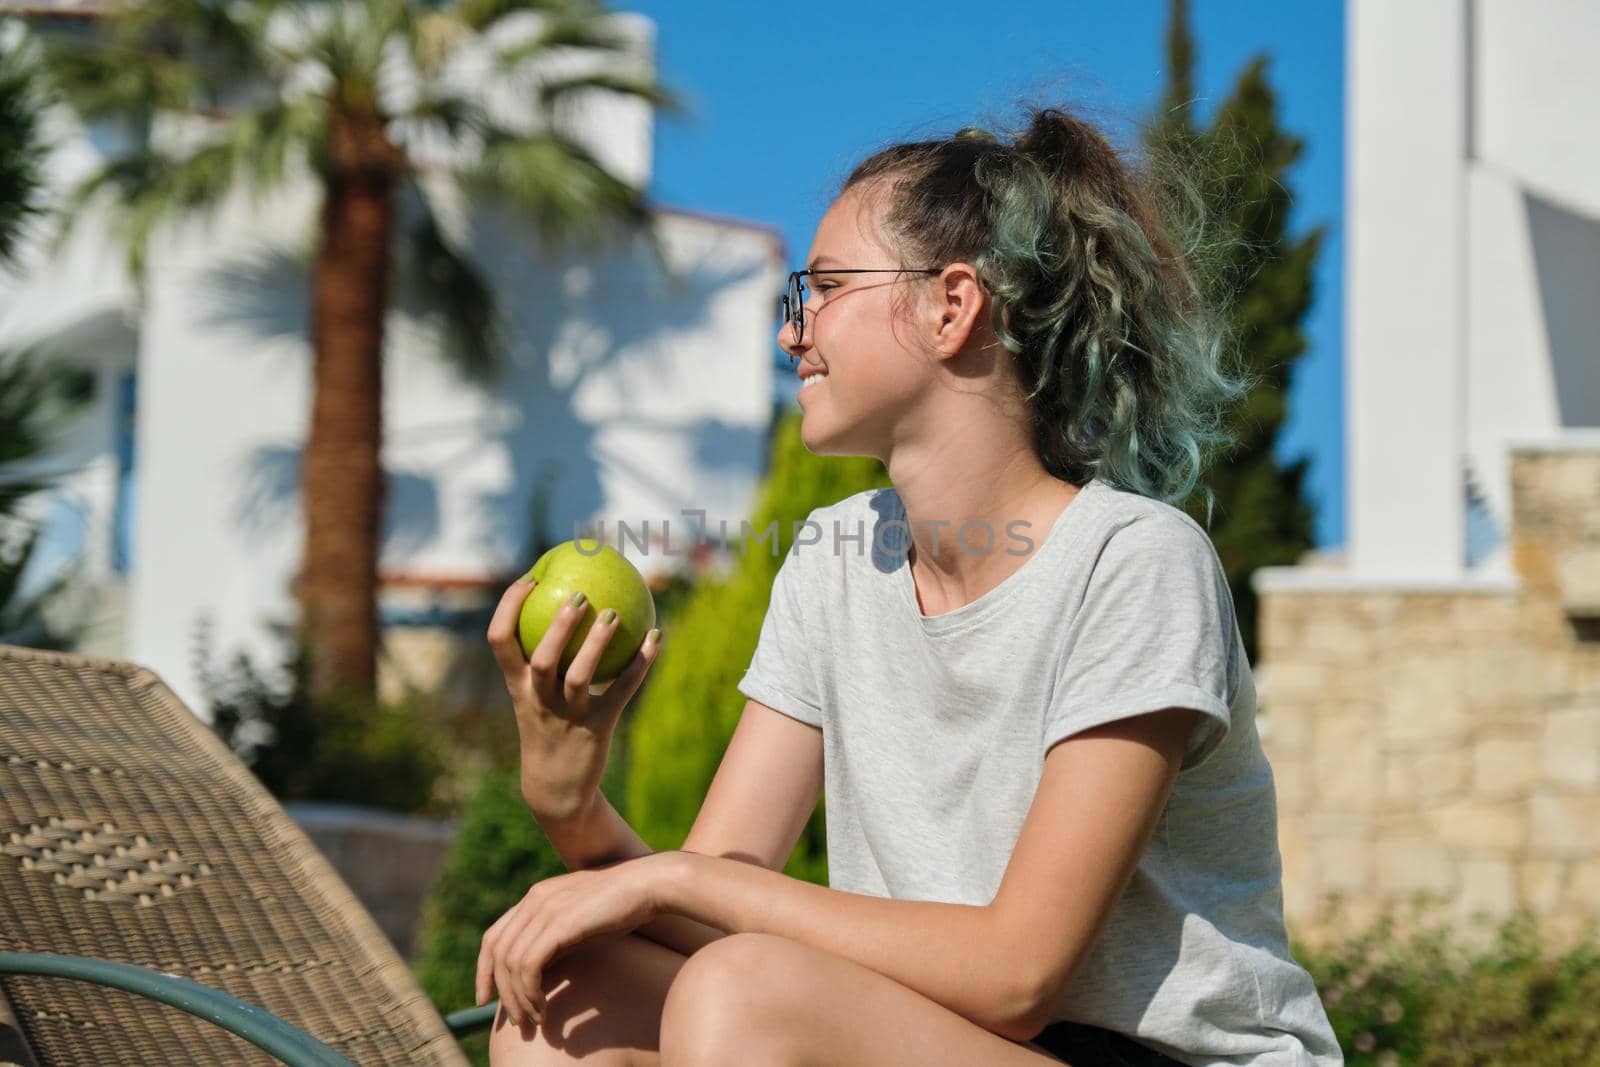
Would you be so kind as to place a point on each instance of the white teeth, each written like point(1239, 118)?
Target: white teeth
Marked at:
point(812, 379)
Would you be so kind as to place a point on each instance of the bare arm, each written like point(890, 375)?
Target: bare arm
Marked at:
point(764, 792)
point(598, 835)
point(1002, 965)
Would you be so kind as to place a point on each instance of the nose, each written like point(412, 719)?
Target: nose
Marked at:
point(787, 342)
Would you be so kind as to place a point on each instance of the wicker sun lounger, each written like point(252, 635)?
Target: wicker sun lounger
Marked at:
point(157, 906)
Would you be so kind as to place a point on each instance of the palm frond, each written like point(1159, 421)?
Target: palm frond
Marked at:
point(441, 284)
point(558, 184)
point(451, 113)
point(644, 88)
point(109, 78)
point(21, 149)
point(35, 395)
point(153, 54)
point(151, 186)
point(24, 620)
point(586, 31)
point(480, 15)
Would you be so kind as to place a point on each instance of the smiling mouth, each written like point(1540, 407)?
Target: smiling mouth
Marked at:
point(812, 379)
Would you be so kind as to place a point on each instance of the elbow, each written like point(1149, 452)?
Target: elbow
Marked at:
point(1034, 1007)
point(1024, 1023)
point(1026, 1011)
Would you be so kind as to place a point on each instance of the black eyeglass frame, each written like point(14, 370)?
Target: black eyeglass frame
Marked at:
point(792, 303)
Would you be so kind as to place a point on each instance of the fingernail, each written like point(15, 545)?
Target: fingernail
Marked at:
point(607, 615)
point(576, 600)
point(653, 638)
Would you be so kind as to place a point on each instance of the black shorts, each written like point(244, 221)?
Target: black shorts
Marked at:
point(1083, 1045)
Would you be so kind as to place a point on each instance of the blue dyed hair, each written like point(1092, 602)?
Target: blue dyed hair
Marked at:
point(1118, 351)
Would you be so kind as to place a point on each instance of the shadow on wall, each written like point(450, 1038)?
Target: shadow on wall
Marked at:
point(637, 308)
point(559, 307)
point(1566, 253)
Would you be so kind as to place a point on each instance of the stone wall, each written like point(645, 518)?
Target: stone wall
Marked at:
point(1445, 740)
point(388, 860)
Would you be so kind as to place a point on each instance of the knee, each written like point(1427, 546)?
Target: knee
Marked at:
point(602, 1003)
point(723, 1005)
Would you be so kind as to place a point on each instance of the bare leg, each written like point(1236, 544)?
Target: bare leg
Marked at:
point(603, 1005)
point(758, 998)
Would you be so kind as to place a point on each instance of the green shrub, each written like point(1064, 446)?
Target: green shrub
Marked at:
point(498, 854)
point(1421, 994)
point(345, 749)
point(678, 729)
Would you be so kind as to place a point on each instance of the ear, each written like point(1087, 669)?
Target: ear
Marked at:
point(960, 304)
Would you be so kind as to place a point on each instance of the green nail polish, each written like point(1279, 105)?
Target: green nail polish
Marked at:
point(607, 615)
point(576, 600)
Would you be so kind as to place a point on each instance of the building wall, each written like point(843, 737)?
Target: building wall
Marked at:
point(627, 394)
point(632, 391)
point(1472, 263)
point(1444, 737)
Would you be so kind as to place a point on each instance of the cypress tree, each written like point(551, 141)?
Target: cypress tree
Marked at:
point(1238, 163)
point(681, 723)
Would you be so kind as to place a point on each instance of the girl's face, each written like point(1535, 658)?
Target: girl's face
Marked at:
point(877, 374)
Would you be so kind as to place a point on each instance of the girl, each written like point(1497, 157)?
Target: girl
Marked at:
point(1052, 833)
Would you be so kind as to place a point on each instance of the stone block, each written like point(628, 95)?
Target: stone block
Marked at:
point(1346, 764)
point(1287, 727)
point(1578, 575)
point(1504, 767)
point(1513, 677)
point(1291, 779)
point(1481, 826)
point(1300, 889)
point(1585, 676)
point(1570, 754)
point(1565, 825)
point(1424, 622)
point(1321, 823)
point(1488, 887)
point(1337, 632)
point(1490, 618)
point(1535, 562)
point(1344, 863)
point(1583, 887)
point(1400, 782)
point(1424, 699)
point(1441, 774)
point(1415, 864)
point(1540, 883)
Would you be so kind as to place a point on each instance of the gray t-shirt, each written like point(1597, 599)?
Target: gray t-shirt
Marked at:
point(935, 731)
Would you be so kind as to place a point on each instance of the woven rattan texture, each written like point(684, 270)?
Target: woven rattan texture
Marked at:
point(128, 831)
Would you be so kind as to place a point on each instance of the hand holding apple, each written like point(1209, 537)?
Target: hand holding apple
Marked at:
point(608, 581)
point(556, 657)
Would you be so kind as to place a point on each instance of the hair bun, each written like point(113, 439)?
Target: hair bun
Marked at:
point(1054, 138)
point(977, 134)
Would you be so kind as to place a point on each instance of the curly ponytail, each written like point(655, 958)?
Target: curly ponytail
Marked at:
point(1118, 354)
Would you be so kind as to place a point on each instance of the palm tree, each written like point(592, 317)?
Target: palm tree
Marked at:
point(21, 147)
point(30, 389)
point(290, 84)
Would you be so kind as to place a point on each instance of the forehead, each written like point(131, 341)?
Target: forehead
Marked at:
point(849, 231)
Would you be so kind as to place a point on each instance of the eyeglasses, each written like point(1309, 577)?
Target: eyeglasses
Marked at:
point(791, 308)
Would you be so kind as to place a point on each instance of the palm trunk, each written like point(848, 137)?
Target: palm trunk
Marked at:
point(343, 481)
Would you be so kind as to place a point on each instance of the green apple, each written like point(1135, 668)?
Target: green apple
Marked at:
point(608, 580)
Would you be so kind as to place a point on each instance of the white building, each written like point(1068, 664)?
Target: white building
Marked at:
point(630, 395)
point(1472, 274)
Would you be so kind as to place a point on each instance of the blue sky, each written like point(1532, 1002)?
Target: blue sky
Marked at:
point(783, 100)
